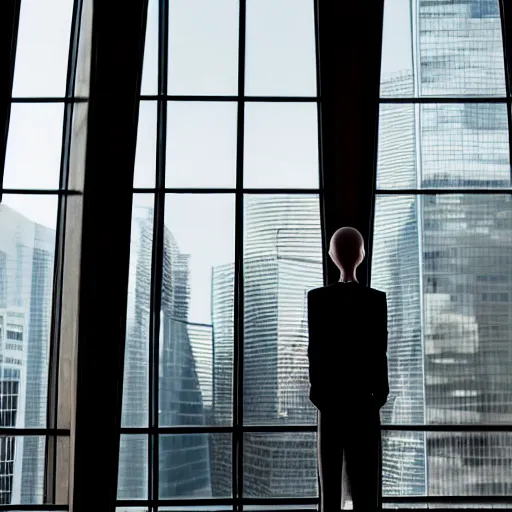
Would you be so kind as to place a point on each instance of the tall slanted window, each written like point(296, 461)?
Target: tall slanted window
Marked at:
point(442, 250)
point(225, 244)
point(46, 128)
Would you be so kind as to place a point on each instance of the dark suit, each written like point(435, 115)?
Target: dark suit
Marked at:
point(349, 383)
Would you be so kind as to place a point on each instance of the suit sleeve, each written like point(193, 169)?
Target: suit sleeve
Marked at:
point(382, 391)
point(314, 335)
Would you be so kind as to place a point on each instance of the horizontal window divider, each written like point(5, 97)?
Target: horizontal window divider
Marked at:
point(441, 499)
point(210, 190)
point(231, 98)
point(204, 502)
point(439, 191)
point(279, 428)
point(47, 432)
point(445, 99)
point(448, 428)
point(34, 508)
point(76, 99)
point(39, 192)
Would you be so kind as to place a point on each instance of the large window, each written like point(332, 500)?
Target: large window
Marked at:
point(225, 244)
point(44, 146)
point(442, 250)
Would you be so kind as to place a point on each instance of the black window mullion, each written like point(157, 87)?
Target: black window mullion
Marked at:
point(506, 34)
point(238, 355)
point(10, 13)
point(158, 255)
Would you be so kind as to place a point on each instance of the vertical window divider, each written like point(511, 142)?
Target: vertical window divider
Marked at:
point(157, 257)
point(238, 352)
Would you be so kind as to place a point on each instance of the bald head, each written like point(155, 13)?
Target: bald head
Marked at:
point(347, 248)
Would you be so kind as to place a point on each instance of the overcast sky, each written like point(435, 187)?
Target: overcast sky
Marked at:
point(280, 139)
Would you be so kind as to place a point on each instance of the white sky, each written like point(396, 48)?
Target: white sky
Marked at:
point(281, 139)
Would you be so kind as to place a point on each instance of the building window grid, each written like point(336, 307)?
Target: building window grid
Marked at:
point(485, 446)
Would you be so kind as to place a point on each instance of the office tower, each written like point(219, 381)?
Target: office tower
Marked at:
point(184, 460)
point(443, 259)
point(282, 261)
point(26, 285)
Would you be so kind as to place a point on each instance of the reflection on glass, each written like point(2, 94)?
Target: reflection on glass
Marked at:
point(445, 264)
point(442, 49)
point(196, 331)
point(145, 153)
point(42, 48)
point(280, 48)
point(132, 483)
point(460, 145)
point(280, 465)
point(282, 261)
point(34, 146)
point(150, 64)
point(195, 466)
point(201, 144)
point(447, 463)
point(203, 47)
point(136, 359)
point(281, 145)
point(23, 468)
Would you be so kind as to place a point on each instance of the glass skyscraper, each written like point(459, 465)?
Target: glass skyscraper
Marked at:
point(444, 259)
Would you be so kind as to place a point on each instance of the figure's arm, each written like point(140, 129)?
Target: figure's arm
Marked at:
point(382, 390)
point(314, 334)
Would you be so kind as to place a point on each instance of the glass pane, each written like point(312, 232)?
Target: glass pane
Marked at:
point(282, 262)
point(201, 144)
point(195, 466)
point(446, 265)
point(281, 145)
point(447, 463)
point(280, 48)
point(461, 145)
point(34, 146)
point(42, 48)
point(145, 154)
point(83, 63)
point(196, 332)
point(22, 460)
point(136, 359)
point(203, 47)
point(27, 248)
point(280, 465)
point(132, 481)
point(442, 49)
point(150, 66)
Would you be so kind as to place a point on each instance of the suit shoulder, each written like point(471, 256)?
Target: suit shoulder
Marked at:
point(377, 293)
point(317, 292)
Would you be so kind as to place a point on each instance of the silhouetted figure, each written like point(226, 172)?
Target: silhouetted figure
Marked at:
point(349, 378)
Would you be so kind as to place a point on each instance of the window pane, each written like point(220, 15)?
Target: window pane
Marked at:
point(136, 358)
point(22, 461)
point(280, 465)
point(145, 154)
point(195, 466)
point(203, 47)
point(461, 145)
point(280, 48)
point(197, 308)
point(447, 463)
point(442, 49)
point(42, 48)
point(34, 146)
point(282, 261)
point(445, 264)
point(201, 144)
point(281, 145)
point(150, 66)
point(132, 481)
